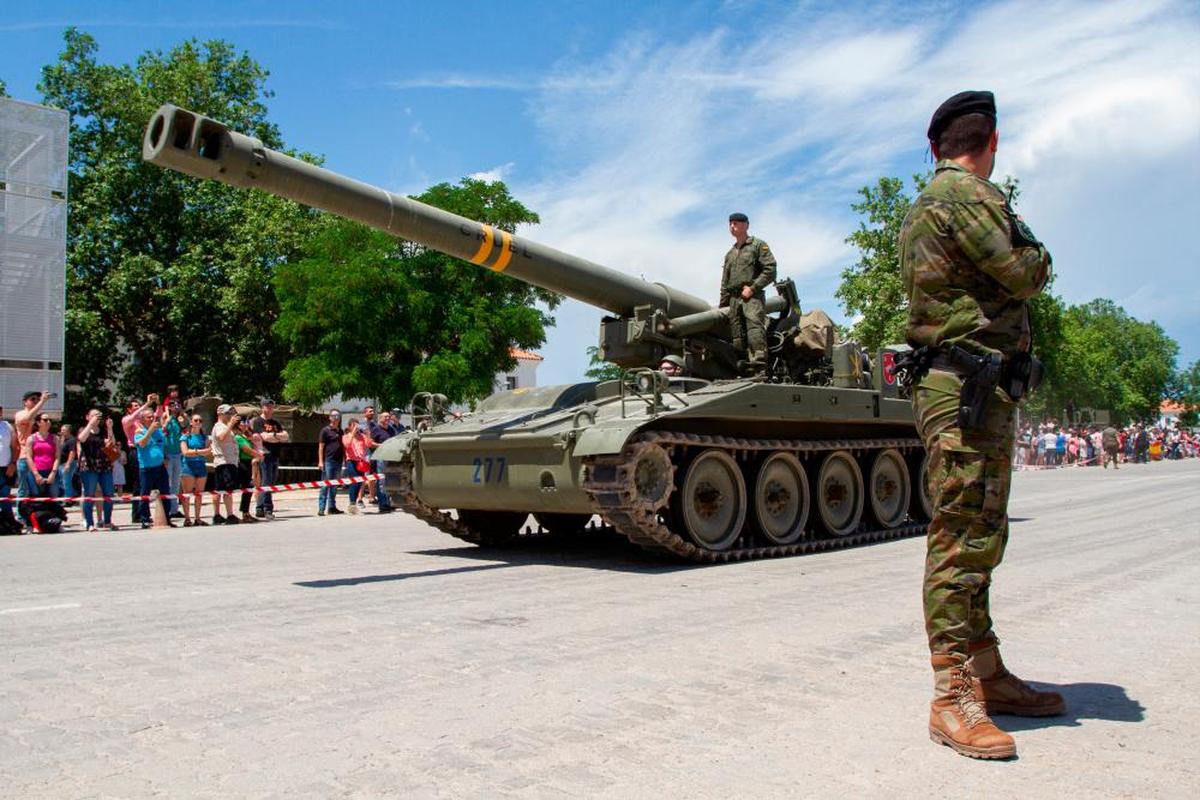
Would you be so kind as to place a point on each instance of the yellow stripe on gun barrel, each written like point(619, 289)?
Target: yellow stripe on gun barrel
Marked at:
point(485, 247)
point(505, 252)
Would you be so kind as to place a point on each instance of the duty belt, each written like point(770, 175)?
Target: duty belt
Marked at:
point(981, 375)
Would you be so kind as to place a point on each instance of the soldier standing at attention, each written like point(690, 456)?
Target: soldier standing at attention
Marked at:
point(749, 269)
point(969, 265)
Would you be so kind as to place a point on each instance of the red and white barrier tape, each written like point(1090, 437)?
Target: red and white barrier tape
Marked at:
point(1083, 462)
point(127, 498)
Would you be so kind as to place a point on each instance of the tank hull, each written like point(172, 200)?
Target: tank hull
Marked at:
point(563, 452)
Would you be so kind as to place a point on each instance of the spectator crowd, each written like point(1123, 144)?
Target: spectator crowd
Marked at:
point(156, 447)
point(1050, 445)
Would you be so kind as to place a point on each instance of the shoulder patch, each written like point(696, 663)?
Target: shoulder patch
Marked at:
point(763, 247)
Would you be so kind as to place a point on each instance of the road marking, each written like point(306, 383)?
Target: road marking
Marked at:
point(38, 608)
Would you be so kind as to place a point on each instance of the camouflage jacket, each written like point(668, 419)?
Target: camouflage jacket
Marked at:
point(752, 264)
point(969, 265)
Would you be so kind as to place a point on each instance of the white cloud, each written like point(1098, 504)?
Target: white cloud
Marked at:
point(496, 173)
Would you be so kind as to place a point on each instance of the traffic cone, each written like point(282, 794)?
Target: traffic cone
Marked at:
point(158, 515)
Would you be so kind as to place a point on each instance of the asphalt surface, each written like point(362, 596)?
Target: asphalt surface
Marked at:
point(372, 656)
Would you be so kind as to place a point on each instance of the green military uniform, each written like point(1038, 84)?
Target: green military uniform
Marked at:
point(969, 266)
point(751, 264)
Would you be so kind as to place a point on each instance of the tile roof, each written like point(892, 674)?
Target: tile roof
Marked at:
point(524, 355)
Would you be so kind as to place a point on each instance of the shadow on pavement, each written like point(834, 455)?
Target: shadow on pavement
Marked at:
point(600, 551)
point(1084, 701)
point(399, 576)
point(586, 551)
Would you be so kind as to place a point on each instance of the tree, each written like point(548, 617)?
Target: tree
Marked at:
point(598, 369)
point(3, 89)
point(872, 289)
point(1185, 390)
point(367, 315)
point(1046, 312)
point(168, 278)
point(1111, 360)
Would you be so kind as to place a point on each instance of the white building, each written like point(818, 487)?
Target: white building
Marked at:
point(33, 251)
point(522, 375)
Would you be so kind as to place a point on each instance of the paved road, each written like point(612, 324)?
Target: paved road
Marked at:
point(370, 656)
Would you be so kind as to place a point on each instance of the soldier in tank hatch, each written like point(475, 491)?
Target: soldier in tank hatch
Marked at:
point(970, 266)
point(671, 366)
point(749, 269)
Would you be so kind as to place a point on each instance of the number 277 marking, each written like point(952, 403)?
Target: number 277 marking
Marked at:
point(489, 470)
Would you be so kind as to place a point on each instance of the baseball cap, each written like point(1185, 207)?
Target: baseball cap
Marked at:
point(224, 408)
point(396, 411)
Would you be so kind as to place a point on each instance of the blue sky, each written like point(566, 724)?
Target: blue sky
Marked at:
point(634, 128)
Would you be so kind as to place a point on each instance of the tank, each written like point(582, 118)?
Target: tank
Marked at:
point(819, 451)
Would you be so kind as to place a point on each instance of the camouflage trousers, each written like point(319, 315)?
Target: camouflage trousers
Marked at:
point(970, 474)
point(748, 323)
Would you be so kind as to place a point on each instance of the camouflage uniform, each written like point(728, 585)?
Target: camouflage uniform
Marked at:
point(1110, 442)
point(751, 264)
point(969, 266)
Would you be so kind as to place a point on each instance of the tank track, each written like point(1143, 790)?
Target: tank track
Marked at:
point(405, 498)
point(609, 480)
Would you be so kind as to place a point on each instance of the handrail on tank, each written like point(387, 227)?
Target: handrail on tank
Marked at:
point(195, 145)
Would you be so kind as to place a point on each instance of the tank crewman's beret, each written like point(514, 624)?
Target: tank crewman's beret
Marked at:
point(959, 105)
point(738, 216)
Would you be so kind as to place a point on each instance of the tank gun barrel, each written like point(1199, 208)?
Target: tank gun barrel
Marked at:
point(702, 321)
point(195, 145)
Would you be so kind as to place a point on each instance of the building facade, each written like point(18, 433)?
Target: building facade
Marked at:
point(33, 251)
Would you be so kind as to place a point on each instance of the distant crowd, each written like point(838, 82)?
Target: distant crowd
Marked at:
point(156, 446)
point(1052, 445)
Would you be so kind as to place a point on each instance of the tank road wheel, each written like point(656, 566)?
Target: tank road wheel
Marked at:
point(711, 501)
point(920, 507)
point(653, 474)
point(562, 524)
point(781, 499)
point(889, 489)
point(493, 527)
point(839, 493)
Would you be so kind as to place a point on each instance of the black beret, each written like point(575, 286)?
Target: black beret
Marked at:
point(959, 105)
point(738, 216)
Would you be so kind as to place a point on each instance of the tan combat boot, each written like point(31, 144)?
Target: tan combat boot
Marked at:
point(958, 719)
point(1003, 692)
